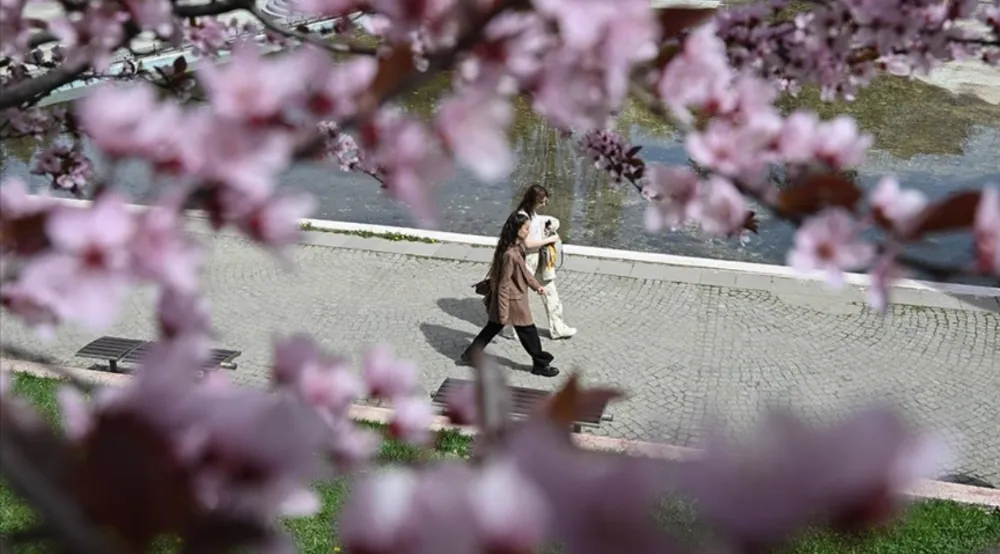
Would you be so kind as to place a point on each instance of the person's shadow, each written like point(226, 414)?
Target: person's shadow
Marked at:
point(452, 342)
point(466, 309)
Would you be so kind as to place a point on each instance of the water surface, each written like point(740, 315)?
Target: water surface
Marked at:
point(931, 140)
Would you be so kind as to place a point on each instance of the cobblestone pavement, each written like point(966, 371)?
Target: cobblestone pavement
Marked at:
point(683, 352)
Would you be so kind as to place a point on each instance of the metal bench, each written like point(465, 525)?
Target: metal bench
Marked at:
point(117, 350)
point(524, 401)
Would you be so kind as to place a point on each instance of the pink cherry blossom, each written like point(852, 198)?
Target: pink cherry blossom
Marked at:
point(291, 356)
point(16, 202)
point(411, 419)
point(207, 36)
point(412, 160)
point(352, 446)
point(91, 35)
point(720, 208)
point(511, 513)
point(829, 242)
point(672, 192)
point(840, 144)
point(474, 126)
point(276, 222)
point(987, 231)
point(337, 94)
point(77, 420)
point(152, 15)
point(379, 516)
point(182, 313)
point(161, 252)
point(699, 77)
point(330, 388)
point(67, 166)
point(90, 270)
point(250, 87)
point(796, 141)
point(114, 115)
point(387, 376)
point(900, 207)
point(882, 274)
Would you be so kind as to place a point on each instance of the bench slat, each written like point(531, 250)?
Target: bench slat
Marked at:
point(130, 351)
point(108, 348)
point(523, 400)
point(216, 356)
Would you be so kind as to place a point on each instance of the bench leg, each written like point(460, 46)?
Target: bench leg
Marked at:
point(113, 366)
point(577, 428)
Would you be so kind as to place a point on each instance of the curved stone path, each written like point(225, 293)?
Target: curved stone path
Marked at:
point(683, 352)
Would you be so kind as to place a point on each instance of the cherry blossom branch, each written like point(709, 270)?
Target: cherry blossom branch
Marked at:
point(37, 87)
point(31, 89)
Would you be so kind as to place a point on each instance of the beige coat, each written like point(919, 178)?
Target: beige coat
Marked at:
point(507, 302)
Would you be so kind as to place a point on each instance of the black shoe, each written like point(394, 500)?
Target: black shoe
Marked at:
point(464, 359)
point(547, 371)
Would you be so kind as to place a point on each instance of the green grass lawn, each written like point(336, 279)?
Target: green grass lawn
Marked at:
point(929, 527)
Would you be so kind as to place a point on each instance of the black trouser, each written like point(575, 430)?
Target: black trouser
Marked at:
point(528, 335)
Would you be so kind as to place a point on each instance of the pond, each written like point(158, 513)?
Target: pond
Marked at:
point(931, 140)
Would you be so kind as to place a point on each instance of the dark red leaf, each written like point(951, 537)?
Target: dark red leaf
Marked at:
point(815, 192)
point(956, 212)
point(633, 151)
point(571, 402)
point(392, 70)
point(180, 65)
point(751, 223)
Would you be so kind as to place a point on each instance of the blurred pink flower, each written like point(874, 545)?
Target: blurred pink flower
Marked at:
point(388, 376)
point(987, 231)
point(899, 207)
point(829, 242)
point(161, 252)
point(380, 515)
point(474, 126)
point(77, 419)
point(840, 144)
point(840, 473)
point(114, 116)
point(509, 510)
point(183, 313)
point(250, 87)
point(411, 419)
point(720, 209)
point(672, 192)
point(275, 223)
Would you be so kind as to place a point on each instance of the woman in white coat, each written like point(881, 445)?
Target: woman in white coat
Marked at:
point(543, 233)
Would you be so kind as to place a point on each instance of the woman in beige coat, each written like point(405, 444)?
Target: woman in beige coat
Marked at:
point(507, 298)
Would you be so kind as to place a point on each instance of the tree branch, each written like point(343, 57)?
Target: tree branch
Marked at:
point(331, 46)
point(25, 91)
point(60, 514)
point(216, 7)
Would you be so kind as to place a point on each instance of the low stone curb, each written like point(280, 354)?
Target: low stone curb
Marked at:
point(938, 490)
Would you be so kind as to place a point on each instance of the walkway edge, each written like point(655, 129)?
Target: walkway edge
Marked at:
point(706, 271)
point(937, 490)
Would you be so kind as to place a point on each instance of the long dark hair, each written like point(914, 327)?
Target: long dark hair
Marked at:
point(532, 197)
point(508, 238)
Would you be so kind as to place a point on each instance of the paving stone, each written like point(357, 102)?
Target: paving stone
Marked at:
point(685, 353)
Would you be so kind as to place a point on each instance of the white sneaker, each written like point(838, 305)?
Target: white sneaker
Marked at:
point(568, 333)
